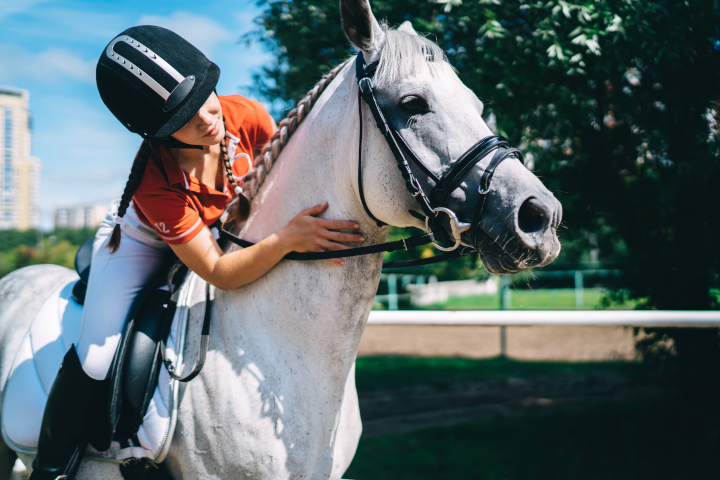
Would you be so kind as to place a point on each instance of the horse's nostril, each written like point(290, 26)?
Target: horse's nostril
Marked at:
point(531, 218)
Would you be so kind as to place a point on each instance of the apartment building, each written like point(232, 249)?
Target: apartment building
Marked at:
point(19, 169)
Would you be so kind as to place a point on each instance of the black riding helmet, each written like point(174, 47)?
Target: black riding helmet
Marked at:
point(154, 81)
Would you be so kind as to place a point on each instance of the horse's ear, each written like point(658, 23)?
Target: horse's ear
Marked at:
point(407, 27)
point(360, 25)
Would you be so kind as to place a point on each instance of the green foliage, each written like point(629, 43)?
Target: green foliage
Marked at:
point(57, 253)
point(19, 249)
point(615, 102)
point(10, 239)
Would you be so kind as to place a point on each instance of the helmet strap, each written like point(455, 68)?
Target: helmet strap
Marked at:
point(170, 142)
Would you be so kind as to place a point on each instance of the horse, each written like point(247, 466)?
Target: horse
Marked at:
point(277, 398)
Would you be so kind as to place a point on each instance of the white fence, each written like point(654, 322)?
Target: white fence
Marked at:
point(599, 318)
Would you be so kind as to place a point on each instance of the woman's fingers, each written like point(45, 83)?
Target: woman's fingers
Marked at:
point(334, 261)
point(338, 224)
point(343, 237)
point(316, 210)
point(332, 246)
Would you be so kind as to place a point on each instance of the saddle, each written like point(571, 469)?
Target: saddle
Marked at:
point(140, 404)
point(137, 363)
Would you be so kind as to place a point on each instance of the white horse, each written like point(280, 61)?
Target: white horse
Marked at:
point(276, 399)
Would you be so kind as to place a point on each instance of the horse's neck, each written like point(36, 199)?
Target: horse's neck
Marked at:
point(328, 304)
point(319, 163)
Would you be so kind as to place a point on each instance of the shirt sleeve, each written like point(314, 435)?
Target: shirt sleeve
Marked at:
point(170, 213)
point(262, 126)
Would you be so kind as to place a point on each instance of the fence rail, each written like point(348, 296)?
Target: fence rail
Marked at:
point(501, 318)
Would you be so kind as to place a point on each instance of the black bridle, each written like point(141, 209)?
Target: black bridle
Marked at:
point(437, 201)
point(431, 204)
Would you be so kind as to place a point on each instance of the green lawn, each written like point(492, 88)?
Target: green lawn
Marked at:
point(658, 440)
point(664, 438)
point(541, 299)
point(388, 372)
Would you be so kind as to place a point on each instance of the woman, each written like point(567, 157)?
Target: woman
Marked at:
point(195, 146)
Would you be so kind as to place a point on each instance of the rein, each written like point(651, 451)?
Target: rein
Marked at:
point(445, 184)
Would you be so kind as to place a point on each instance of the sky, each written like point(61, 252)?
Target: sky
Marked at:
point(51, 47)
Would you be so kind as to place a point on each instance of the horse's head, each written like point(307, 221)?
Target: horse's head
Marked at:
point(438, 119)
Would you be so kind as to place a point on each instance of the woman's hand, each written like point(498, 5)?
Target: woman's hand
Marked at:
point(304, 233)
point(307, 233)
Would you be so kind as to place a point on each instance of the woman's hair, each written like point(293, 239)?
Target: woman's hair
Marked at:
point(241, 213)
point(138, 170)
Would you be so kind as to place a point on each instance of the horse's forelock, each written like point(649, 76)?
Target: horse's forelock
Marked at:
point(405, 55)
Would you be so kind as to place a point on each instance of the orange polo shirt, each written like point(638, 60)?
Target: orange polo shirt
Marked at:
point(176, 204)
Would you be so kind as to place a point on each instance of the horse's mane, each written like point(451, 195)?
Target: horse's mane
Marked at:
point(403, 55)
point(271, 150)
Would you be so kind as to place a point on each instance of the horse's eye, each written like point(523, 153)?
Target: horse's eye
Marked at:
point(413, 105)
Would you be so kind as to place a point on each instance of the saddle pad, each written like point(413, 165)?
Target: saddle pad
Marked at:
point(55, 328)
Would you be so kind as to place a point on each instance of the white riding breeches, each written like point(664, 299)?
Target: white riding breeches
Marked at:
point(115, 280)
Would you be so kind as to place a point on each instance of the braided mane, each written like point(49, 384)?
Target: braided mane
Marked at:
point(263, 163)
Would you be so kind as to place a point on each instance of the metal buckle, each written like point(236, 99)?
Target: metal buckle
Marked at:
point(456, 227)
point(367, 81)
point(485, 192)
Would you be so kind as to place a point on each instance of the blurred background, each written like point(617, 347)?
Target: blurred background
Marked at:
point(615, 104)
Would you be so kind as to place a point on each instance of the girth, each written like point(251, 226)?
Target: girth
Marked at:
point(445, 183)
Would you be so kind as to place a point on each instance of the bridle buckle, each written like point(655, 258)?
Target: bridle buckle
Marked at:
point(456, 228)
point(366, 85)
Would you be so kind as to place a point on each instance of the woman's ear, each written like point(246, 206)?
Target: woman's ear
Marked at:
point(361, 27)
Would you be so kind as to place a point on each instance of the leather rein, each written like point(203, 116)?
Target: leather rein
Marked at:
point(445, 184)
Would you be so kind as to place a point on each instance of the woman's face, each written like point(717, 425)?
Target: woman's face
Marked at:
point(206, 127)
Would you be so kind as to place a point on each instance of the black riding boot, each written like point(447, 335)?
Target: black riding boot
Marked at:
point(67, 421)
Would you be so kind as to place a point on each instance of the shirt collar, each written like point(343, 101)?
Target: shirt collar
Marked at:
point(178, 176)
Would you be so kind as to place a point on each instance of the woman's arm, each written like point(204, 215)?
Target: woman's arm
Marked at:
point(304, 233)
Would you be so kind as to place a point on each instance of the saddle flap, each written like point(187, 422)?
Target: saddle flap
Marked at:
point(142, 360)
point(83, 259)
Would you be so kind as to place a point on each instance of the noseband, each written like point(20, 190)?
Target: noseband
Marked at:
point(436, 201)
point(431, 205)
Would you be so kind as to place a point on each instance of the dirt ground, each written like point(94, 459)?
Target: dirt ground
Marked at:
point(523, 343)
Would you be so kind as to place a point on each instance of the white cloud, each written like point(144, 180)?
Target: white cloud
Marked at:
point(12, 7)
point(203, 32)
point(49, 66)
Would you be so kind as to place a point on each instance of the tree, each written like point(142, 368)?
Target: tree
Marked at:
point(616, 103)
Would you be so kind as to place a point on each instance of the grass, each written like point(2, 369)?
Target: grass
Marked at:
point(389, 372)
point(542, 299)
point(661, 439)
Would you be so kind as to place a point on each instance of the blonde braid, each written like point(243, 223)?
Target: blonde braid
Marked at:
point(271, 150)
point(240, 214)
